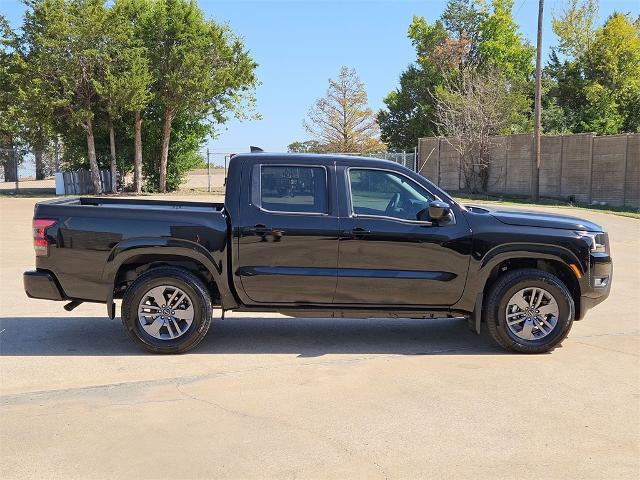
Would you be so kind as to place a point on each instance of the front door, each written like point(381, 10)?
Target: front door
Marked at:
point(386, 255)
point(288, 242)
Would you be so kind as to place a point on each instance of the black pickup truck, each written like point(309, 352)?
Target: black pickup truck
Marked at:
point(318, 236)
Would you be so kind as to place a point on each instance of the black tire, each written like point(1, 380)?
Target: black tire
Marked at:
point(502, 291)
point(189, 283)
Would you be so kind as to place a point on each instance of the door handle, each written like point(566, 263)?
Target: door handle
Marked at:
point(357, 232)
point(258, 229)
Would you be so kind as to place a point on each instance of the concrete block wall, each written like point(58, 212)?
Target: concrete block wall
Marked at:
point(582, 167)
point(449, 166)
point(498, 169)
point(428, 164)
point(550, 166)
point(576, 167)
point(519, 150)
point(632, 176)
point(608, 169)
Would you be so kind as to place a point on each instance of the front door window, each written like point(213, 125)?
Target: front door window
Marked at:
point(386, 194)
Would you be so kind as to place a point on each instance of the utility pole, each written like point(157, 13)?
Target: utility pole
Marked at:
point(535, 168)
point(208, 171)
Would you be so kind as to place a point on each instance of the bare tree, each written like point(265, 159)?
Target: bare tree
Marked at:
point(472, 107)
point(342, 121)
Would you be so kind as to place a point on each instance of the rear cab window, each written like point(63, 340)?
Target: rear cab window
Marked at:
point(290, 189)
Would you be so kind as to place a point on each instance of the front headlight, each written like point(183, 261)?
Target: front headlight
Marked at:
point(599, 242)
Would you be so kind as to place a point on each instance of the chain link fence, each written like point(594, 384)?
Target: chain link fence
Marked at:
point(40, 172)
point(212, 178)
point(23, 170)
point(408, 159)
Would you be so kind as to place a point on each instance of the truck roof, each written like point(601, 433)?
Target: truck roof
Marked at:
point(316, 158)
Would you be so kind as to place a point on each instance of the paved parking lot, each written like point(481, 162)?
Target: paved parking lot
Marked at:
point(277, 397)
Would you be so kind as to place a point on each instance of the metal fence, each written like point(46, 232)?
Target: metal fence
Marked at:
point(24, 171)
point(21, 171)
point(79, 182)
point(214, 160)
point(408, 159)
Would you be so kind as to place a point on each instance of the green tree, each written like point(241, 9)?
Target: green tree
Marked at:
point(187, 133)
point(409, 112)
point(555, 117)
point(470, 35)
point(101, 68)
point(564, 84)
point(125, 79)
point(25, 114)
point(502, 46)
point(65, 44)
point(198, 66)
point(462, 19)
point(10, 99)
point(612, 71)
point(575, 27)
point(597, 87)
point(342, 120)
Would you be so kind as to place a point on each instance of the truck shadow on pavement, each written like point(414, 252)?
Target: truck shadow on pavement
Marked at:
point(305, 337)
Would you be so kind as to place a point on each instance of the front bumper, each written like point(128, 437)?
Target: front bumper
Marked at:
point(42, 284)
point(595, 292)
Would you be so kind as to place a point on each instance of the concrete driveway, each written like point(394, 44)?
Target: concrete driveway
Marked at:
point(277, 397)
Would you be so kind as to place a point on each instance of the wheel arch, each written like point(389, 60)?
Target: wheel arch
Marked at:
point(130, 259)
point(553, 266)
point(559, 261)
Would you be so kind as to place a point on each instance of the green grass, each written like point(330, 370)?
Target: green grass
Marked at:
point(493, 200)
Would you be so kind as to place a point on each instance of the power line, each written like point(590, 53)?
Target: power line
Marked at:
point(519, 8)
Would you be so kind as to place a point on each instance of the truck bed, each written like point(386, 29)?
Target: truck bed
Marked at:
point(92, 236)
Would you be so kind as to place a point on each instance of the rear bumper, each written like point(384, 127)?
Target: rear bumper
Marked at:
point(42, 284)
point(601, 270)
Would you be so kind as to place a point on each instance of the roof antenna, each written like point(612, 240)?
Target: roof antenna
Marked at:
point(255, 149)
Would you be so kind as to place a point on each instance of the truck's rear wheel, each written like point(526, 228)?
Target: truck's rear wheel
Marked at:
point(167, 310)
point(529, 311)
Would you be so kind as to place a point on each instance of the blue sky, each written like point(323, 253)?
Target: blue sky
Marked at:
point(300, 44)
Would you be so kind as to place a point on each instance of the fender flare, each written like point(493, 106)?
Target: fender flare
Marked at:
point(534, 251)
point(128, 249)
point(481, 269)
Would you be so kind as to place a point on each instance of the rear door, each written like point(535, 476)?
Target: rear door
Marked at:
point(386, 255)
point(288, 234)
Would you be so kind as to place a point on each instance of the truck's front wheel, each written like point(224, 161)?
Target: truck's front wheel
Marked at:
point(529, 311)
point(167, 310)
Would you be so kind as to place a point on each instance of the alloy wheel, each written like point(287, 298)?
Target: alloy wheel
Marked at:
point(532, 313)
point(165, 312)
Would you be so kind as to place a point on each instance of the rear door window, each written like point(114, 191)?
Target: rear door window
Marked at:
point(291, 189)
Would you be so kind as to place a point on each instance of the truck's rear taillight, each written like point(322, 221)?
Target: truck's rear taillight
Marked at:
point(40, 242)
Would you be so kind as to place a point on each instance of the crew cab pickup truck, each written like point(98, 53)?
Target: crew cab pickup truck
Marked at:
point(318, 236)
